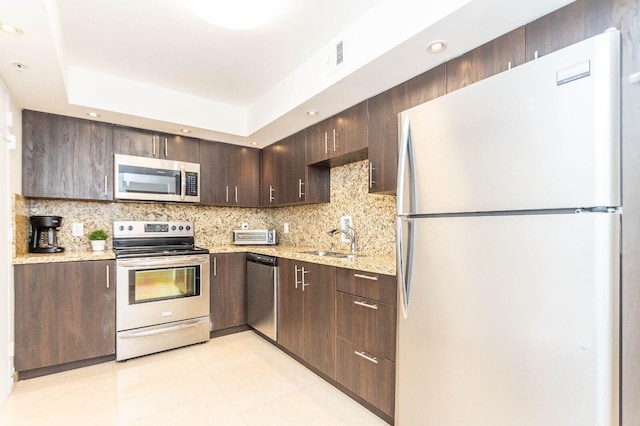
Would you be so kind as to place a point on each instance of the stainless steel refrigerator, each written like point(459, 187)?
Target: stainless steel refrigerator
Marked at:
point(508, 233)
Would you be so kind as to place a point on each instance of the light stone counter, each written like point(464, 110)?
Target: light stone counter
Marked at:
point(65, 256)
point(380, 264)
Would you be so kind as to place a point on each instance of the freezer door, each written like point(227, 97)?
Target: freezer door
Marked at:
point(511, 320)
point(544, 135)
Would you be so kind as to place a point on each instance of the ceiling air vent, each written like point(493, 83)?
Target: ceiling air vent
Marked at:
point(335, 56)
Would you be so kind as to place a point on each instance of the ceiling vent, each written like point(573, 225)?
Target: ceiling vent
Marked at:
point(335, 56)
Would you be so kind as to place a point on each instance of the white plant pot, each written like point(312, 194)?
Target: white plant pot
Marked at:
point(98, 245)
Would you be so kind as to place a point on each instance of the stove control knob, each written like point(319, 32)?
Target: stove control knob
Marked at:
point(121, 227)
point(188, 228)
point(181, 227)
point(130, 227)
point(173, 228)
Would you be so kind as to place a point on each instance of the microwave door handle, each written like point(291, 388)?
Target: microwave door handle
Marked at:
point(183, 183)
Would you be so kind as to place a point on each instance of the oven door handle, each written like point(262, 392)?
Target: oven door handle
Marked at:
point(135, 334)
point(168, 262)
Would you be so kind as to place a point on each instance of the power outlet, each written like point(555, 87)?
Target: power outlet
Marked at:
point(346, 222)
point(286, 227)
point(77, 229)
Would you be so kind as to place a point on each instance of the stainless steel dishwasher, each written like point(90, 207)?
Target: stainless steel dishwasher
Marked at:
point(262, 294)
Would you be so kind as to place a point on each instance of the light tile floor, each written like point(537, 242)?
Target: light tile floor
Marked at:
point(235, 380)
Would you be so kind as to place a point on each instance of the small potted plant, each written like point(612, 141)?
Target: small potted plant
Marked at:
point(98, 239)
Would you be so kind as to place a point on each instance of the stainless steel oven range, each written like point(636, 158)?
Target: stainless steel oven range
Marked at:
point(162, 293)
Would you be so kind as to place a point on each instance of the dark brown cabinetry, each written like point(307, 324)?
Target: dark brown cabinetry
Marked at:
point(366, 335)
point(340, 139)
point(306, 313)
point(286, 179)
point(144, 143)
point(65, 157)
point(230, 175)
point(64, 312)
point(228, 290)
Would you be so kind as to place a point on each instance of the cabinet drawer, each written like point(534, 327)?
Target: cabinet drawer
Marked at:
point(366, 284)
point(367, 323)
point(370, 376)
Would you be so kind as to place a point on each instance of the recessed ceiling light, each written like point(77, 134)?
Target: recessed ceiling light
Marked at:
point(253, 143)
point(312, 113)
point(10, 29)
point(185, 130)
point(93, 114)
point(437, 46)
point(237, 14)
point(18, 66)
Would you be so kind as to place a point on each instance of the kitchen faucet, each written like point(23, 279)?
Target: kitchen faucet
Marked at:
point(350, 233)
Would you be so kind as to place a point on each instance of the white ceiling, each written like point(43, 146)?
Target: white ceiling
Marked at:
point(151, 64)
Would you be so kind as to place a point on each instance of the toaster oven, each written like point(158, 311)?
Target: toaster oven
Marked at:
point(254, 237)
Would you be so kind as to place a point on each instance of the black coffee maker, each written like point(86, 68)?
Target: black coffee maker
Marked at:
point(44, 234)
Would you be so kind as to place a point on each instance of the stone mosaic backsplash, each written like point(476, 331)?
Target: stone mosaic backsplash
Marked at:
point(373, 217)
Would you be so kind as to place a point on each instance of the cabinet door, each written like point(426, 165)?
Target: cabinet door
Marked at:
point(65, 157)
point(292, 171)
point(383, 139)
point(64, 312)
point(130, 141)
point(269, 191)
point(319, 328)
point(179, 148)
point(213, 168)
point(319, 141)
point(486, 60)
point(245, 188)
point(228, 290)
point(291, 307)
point(351, 133)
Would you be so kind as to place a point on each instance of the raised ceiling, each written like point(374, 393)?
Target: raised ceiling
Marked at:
point(152, 64)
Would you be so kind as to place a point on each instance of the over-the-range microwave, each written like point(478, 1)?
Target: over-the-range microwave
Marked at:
point(154, 179)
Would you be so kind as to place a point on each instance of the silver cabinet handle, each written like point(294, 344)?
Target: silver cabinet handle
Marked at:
point(335, 139)
point(226, 194)
point(271, 191)
point(153, 143)
point(236, 195)
point(108, 277)
point(368, 358)
point(371, 169)
point(326, 143)
point(106, 185)
point(304, 282)
point(366, 277)
point(166, 148)
point(365, 304)
point(300, 185)
point(215, 266)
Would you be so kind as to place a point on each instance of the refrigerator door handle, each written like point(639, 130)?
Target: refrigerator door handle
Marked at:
point(405, 261)
point(406, 189)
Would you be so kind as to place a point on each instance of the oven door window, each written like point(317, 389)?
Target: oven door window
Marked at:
point(151, 285)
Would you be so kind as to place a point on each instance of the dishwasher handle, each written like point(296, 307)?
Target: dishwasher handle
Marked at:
point(262, 259)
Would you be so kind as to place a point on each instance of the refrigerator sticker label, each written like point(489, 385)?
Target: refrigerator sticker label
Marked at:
point(573, 73)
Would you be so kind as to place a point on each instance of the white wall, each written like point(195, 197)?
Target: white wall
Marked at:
point(10, 169)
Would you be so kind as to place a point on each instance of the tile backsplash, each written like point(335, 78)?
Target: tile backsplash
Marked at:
point(373, 217)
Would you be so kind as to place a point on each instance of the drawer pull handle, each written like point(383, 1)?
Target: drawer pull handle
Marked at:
point(366, 277)
point(366, 305)
point(368, 358)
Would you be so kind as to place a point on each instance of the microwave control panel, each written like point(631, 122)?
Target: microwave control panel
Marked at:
point(192, 183)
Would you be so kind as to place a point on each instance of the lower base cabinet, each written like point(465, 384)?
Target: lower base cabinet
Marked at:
point(64, 312)
point(370, 376)
point(228, 290)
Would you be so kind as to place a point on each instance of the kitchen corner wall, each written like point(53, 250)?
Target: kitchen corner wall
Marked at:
point(373, 217)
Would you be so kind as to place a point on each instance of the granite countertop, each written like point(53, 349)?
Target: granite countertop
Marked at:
point(369, 263)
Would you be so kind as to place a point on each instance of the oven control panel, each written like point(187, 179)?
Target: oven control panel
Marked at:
point(133, 229)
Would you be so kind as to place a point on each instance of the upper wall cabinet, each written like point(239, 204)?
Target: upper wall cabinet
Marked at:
point(286, 179)
point(340, 139)
point(230, 175)
point(144, 143)
point(65, 157)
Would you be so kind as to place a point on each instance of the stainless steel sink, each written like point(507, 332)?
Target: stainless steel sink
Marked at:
point(332, 254)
